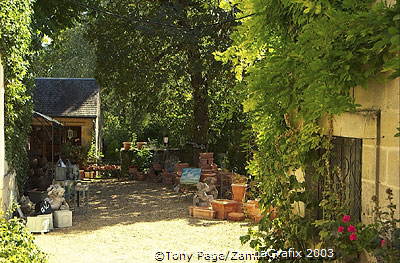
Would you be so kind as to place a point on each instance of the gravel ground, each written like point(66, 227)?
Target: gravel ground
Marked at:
point(129, 221)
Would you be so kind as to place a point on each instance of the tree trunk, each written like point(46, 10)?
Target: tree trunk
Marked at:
point(200, 98)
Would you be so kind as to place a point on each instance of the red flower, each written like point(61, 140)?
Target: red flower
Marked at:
point(340, 229)
point(346, 218)
point(383, 242)
point(351, 229)
point(353, 236)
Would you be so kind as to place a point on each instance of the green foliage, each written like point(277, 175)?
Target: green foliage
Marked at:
point(142, 158)
point(74, 153)
point(69, 55)
point(51, 17)
point(297, 61)
point(380, 238)
point(15, 41)
point(114, 134)
point(93, 154)
point(161, 77)
point(17, 244)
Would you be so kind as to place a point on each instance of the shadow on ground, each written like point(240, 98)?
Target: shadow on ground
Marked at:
point(113, 202)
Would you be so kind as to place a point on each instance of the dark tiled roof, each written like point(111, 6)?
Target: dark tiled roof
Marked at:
point(62, 97)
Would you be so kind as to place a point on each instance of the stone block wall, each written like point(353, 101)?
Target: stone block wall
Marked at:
point(8, 186)
point(376, 123)
point(2, 150)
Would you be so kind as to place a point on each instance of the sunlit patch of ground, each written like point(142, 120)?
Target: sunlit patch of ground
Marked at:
point(129, 221)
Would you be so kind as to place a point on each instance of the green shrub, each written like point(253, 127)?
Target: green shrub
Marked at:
point(142, 158)
point(16, 243)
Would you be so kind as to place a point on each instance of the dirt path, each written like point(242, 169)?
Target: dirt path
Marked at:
point(129, 221)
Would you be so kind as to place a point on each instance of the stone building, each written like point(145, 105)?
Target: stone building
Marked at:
point(366, 145)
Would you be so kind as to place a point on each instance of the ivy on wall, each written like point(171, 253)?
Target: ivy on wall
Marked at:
point(298, 60)
point(15, 44)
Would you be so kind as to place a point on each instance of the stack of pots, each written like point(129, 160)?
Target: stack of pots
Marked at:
point(207, 165)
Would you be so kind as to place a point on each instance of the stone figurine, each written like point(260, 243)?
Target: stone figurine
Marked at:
point(56, 197)
point(201, 198)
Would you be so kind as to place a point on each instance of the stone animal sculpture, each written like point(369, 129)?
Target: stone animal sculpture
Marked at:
point(56, 197)
point(201, 198)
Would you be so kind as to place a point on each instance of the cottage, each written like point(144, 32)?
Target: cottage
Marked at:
point(73, 102)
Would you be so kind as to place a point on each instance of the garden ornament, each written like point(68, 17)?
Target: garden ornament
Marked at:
point(56, 197)
point(201, 198)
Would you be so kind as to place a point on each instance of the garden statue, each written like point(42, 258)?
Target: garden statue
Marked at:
point(211, 182)
point(201, 198)
point(56, 197)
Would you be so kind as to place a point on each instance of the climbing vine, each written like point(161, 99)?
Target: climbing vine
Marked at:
point(298, 61)
point(15, 44)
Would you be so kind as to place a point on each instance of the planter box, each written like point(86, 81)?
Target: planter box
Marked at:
point(203, 212)
point(62, 218)
point(40, 223)
point(191, 210)
point(223, 207)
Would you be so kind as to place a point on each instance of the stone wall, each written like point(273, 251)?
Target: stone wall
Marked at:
point(2, 150)
point(8, 186)
point(376, 123)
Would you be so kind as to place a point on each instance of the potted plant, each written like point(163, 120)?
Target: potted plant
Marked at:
point(238, 187)
point(127, 145)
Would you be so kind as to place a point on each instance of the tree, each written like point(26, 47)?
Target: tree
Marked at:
point(155, 47)
point(297, 61)
point(69, 55)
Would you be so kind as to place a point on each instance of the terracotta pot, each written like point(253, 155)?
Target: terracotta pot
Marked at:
point(238, 192)
point(139, 145)
point(127, 145)
point(140, 176)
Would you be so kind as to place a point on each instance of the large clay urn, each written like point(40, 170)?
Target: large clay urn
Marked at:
point(238, 192)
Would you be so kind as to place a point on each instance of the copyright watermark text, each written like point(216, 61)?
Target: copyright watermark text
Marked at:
point(240, 256)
